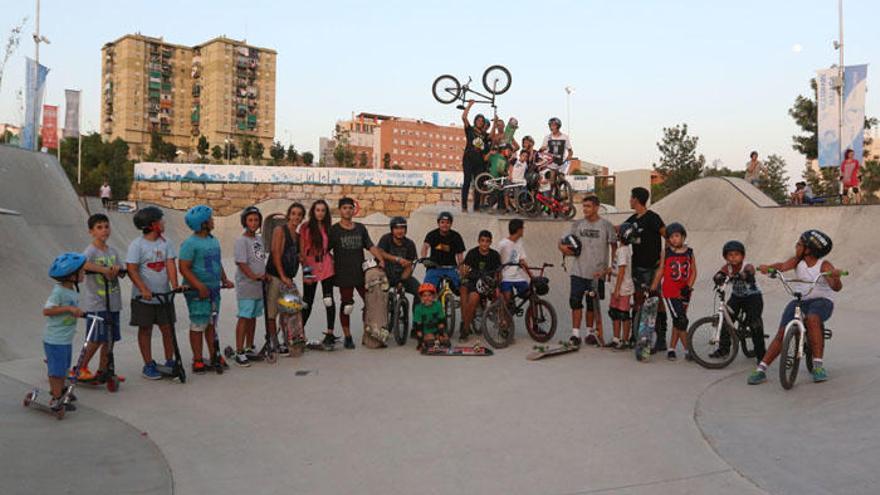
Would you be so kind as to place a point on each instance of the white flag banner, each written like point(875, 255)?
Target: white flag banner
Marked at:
point(828, 108)
point(71, 113)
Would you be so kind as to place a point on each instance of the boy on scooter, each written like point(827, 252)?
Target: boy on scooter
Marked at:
point(150, 265)
point(61, 312)
point(250, 260)
point(201, 268)
point(105, 266)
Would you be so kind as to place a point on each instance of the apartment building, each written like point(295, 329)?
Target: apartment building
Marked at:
point(222, 89)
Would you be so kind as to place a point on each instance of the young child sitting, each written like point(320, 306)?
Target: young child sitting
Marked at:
point(429, 319)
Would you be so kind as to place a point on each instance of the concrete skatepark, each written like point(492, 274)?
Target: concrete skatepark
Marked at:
point(392, 421)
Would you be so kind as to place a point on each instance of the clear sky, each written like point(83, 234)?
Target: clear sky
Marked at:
point(729, 69)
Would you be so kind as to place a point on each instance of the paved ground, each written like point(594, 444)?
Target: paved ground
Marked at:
point(395, 421)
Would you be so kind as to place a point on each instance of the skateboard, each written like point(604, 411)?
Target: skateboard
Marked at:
point(476, 350)
point(291, 324)
point(318, 345)
point(542, 351)
point(646, 334)
point(375, 308)
point(597, 313)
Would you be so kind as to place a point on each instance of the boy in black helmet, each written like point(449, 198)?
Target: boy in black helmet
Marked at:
point(809, 264)
point(250, 260)
point(399, 252)
point(745, 297)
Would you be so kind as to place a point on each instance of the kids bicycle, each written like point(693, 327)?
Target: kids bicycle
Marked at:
point(398, 310)
point(705, 335)
point(496, 80)
point(795, 344)
point(540, 316)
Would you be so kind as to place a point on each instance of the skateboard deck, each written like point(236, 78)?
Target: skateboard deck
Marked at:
point(647, 322)
point(597, 312)
point(375, 308)
point(39, 399)
point(542, 351)
point(291, 326)
point(457, 351)
point(318, 345)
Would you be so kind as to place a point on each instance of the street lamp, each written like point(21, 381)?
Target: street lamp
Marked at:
point(838, 45)
point(37, 40)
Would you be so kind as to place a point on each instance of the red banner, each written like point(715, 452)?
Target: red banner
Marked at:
point(49, 132)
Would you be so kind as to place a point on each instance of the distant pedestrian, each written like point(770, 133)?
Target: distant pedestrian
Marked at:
point(106, 193)
point(849, 176)
point(754, 169)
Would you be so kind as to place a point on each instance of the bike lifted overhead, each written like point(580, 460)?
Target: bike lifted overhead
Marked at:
point(496, 80)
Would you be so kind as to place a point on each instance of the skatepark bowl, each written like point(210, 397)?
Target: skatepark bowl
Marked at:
point(393, 421)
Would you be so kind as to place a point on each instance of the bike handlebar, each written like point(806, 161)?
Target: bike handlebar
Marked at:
point(786, 283)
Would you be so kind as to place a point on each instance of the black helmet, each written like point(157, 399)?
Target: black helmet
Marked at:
point(627, 232)
point(397, 222)
point(554, 120)
point(444, 215)
point(733, 246)
point(817, 241)
point(573, 242)
point(146, 217)
point(674, 228)
point(247, 211)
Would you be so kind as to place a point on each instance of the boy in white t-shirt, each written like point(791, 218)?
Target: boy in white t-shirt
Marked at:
point(512, 251)
point(619, 308)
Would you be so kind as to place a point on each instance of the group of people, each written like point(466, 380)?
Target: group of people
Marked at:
point(492, 147)
point(631, 256)
point(848, 175)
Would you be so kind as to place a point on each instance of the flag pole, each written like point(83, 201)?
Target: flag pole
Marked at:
point(79, 142)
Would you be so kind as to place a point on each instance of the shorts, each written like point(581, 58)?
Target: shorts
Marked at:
point(643, 276)
point(250, 308)
point(200, 311)
point(470, 285)
point(433, 276)
point(146, 315)
point(621, 303)
point(580, 287)
point(821, 307)
point(521, 286)
point(410, 285)
point(100, 335)
point(58, 358)
point(677, 308)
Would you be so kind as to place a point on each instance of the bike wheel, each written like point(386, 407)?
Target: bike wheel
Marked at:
point(568, 210)
point(788, 365)
point(496, 79)
point(701, 343)
point(564, 192)
point(748, 352)
point(497, 324)
point(483, 183)
point(525, 201)
point(446, 89)
point(541, 320)
point(449, 306)
point(400, 320)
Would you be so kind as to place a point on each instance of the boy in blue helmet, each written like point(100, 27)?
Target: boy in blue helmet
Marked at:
point(201, 268)
point(61, 311)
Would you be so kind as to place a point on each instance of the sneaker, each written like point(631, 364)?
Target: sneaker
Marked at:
point(150, 372)
point(757, 377)
point(223, 362)
point(718, 354)
point(84, 374)
point(329, 340)
point(69, 406)
point(670, 355)
point(620, 345)
point(349, 342)
point(819, 374)
point(592, 340)
point(464, 335)
point(574, 340)
point(242, 360)
point(251, 353)
point(72, 396)
point(199, 366)
point(283, 350)
point(170, 364)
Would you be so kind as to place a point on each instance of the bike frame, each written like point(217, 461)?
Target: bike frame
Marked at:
point(798, 320)
point(722, 315)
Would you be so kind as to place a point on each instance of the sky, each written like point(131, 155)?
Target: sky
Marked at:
point(730, 70)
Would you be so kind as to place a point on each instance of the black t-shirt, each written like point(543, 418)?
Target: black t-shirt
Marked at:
point(348, 253)
point(481, 264)
point(646, 250)
point(406, 250)
point(444, 247)
point(476, 148)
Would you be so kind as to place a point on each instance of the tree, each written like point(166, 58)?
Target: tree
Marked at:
point(99, 160)
point(292, 155)
point(276, 151)
point(11, 45)
point(343, 154)
point(775, 179)
point(386, 161)
point(679, 162)
point(233, 151)
point(806, 116)
point(870, 180)
point(217, 153)
point(202, 147)
point(363, 161)
point(257, 151)
point(246, 147)
point(308, 157)
point(160, 150)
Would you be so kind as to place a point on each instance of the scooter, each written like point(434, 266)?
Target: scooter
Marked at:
point(107, 376)
point(41, 400)
point(166, 300)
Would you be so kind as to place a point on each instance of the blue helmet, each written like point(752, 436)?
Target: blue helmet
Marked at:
point(66, 265)
point(197, 216)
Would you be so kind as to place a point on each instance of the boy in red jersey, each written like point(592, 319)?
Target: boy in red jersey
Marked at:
point(678, 276)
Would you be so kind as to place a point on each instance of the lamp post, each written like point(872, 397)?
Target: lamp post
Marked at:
point(226, 145)
point(838, 45)
point(37, 40)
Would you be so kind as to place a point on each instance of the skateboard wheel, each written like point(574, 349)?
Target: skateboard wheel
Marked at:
point(27, 399)
point(112, 384)
point(228, 352)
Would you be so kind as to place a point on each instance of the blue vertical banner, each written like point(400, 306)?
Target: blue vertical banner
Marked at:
point(828, 110)
point(35, 82)
point(853, 132)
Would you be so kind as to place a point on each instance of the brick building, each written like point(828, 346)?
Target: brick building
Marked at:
point(221, 89)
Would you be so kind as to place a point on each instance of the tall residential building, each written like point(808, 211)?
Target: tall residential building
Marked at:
point(222, 89)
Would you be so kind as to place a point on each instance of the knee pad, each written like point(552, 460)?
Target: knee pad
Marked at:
point(680, 322)
point(328, 302)
point(576, 303)
point(347, 307)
